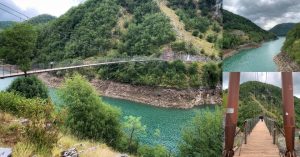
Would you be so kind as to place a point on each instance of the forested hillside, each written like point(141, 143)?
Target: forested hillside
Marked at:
point(282, 29)
point(257, 98)
point(41, 19)
point(6, 24)
point(120, 28)
point(292, 43)
point(100, 29)
point(239, 30)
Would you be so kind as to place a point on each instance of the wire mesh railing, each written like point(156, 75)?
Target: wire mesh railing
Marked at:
point(7, 70)
point(242, 134)
point(277, 132)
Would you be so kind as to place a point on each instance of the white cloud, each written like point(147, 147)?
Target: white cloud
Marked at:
point(36, 7)
point(266, 13)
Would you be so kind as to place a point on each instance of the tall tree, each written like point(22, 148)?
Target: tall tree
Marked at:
point(17, 45)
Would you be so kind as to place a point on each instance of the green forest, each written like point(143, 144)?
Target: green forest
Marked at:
point(261, 98)
point(239, 30)
point(282, 29)
point(292, 43)
point(111, 29)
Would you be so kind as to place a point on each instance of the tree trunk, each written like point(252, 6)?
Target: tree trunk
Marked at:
point(130, 139)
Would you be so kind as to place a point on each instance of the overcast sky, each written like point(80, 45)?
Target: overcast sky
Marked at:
point(33, 8)
point(273, 78)
point(266, 13)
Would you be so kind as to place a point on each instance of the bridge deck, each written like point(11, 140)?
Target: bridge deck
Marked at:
point(72, 67)
point(259, 143)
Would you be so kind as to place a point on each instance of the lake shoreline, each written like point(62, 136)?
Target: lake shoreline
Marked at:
point(231, 52)
point(285, 63)
point(154, 96)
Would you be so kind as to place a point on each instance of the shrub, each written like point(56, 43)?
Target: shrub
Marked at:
point(211, 74)
point(211, 38)
point(88, 117)
point(41, 131)
point(178, 46)
point(195, 33)
point(155, 151)
point(203, 136)
point(29, 87)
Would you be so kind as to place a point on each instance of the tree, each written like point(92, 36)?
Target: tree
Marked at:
point(29, 87)
point(17, 45)
point(203, 136)
point(211, 74)
point(154, 151)
point(133, 127)
point(88, 117)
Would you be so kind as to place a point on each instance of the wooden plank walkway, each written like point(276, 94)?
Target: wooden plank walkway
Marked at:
point(259, 143)
point(72, 67)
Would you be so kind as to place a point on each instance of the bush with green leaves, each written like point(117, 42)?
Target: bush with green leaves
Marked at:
point(133, 127)
point(87, 116)
point(153, 151)
point(41, 130)
point(204, 135)
point(146, 37)
point(211, 74)
point(167, 74)
point(29, 87)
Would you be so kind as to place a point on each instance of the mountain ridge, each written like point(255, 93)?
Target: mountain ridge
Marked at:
point(282, 29)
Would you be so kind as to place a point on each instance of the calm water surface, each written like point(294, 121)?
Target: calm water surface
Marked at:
point(255, 60)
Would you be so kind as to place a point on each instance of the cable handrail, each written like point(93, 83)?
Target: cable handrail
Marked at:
point(275, 129)
point(247, 126)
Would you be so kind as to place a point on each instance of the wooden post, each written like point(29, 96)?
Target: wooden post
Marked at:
point(288, 113)
point(231, 113)
point(246, 131)
point(274, 135)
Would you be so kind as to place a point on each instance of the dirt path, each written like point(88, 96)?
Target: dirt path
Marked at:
point(184, 35)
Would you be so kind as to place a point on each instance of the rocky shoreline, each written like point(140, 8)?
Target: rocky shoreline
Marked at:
point(285, 63)
point(231, 52)
point(155, 96)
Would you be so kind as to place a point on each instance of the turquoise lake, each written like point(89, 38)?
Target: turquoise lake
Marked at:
point(255, 60)
point(169, 121)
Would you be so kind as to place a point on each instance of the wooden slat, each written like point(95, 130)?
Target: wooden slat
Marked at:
point(259, 144)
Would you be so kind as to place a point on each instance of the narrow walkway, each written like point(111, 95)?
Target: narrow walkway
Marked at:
point(259, 143)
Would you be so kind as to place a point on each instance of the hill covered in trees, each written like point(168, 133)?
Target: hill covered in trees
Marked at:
point(292, 43)
point(6, 24)
point(41, 19)
point(100, 29)
point(282, 29)
point(257, 98)
point(238, 30)
point(117, 28)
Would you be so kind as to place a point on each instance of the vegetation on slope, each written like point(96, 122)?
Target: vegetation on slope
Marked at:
point(282, 29)
point(204, 135)
point(239, 30)
point(6, 24)
point(173, 74)
point(29, 87)
point(41, 19)
point(17, 45)
point(200, 25)
point(258, 98)
point(292, 43)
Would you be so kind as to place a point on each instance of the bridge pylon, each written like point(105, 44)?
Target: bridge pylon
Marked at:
point(288, 113)
point(231, 113)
